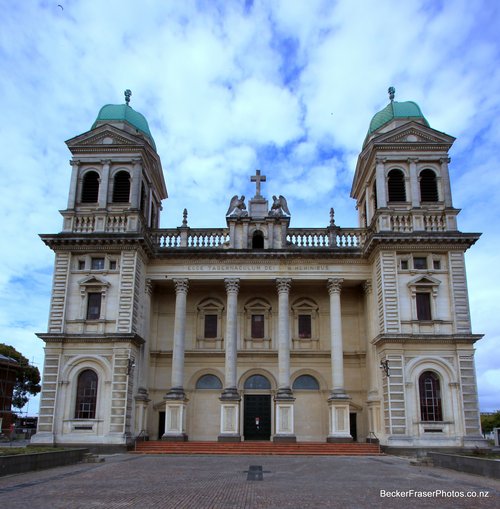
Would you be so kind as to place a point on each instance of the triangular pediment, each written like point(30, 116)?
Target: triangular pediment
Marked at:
point(106, 135)
point(93, 281)
point(414, 133)
point(424, 281)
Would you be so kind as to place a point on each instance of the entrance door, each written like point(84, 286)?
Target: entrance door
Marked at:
point(257, 417)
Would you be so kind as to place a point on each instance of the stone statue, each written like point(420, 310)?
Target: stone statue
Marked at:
point(279, 207)
point(237, 207)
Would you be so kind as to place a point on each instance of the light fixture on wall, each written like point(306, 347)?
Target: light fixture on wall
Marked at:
point(385, 366)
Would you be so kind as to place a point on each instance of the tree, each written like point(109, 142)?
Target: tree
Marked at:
point(490, 421)
point(27, 377)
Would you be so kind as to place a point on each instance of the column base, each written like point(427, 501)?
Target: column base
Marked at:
point(339, 440)
point(182, 437)
point(230, 394)
point(229, 438)
point(285, 439)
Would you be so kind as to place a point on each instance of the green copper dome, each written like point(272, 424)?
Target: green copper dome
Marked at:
point(124, 113)
point(394, 110)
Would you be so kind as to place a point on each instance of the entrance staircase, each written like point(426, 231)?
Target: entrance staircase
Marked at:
point(257, 448)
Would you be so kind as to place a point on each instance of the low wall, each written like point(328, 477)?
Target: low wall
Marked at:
point(468, 464)
point(19, 463)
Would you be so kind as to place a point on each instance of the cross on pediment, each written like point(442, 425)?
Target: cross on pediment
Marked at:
point(257, 178)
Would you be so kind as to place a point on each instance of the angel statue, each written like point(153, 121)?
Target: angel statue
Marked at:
point(237, 207)
point(279, 207)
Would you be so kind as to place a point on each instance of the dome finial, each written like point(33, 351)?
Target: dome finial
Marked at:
point(127, 93)
point(391, 91)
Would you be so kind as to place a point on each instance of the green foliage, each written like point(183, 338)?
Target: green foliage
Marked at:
point(27, 377)
point(490, 421)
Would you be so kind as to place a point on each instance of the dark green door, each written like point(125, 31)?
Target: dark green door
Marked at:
point(257, 417)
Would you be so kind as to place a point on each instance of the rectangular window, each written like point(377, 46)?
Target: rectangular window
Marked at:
point(210, 326)
point(258, 326)
point(81, 264)
point(305, 326)
point(436, 264)
point(97, 264)
point(94, 306)
point(404, 264)
point(420, 263)
point(424, 306)
point(112, 265)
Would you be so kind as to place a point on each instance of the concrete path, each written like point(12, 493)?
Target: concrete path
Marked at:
point(200, 482)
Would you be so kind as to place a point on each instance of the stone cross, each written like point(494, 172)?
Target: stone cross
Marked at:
point(257, 178)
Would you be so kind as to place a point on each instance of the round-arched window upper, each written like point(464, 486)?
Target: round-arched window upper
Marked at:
point(208, 382)
point(257, 382)
point(306, 382)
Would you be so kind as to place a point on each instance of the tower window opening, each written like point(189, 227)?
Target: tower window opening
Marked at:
point(90, 187)
point(86, 395)
point(121, 187)
point(428, 186)
point(396, 185)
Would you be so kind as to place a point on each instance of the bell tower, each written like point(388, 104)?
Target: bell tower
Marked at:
point(117, 180)
point(402, 182)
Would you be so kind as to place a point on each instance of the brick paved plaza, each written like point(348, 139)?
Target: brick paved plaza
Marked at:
point(201, 482)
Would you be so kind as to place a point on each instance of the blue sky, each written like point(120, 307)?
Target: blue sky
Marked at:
point(286, 86)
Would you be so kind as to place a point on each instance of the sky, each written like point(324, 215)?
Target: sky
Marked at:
point(286, 86)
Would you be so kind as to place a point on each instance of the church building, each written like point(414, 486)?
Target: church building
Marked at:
point(259, 330)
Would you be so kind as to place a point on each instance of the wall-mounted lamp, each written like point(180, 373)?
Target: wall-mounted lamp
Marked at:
point(385, 366)
point(130, 365)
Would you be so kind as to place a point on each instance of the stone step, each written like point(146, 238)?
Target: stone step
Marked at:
point(256, 448)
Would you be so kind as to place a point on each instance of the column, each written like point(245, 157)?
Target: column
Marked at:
point(414, 186)
point(372, 368)
point(230, 398)
point(135, 199)
point(175, 416)
point(338, 401)
point(445, 182)
point(142, 396)
point(380, 183)
point(284, 399)
point(104, 184)
point(75, 165)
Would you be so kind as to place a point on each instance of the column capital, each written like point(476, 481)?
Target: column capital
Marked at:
point(232, 285)
point(334, 285)
point(106, 161)
point(413, 160)
point(367, 286)
point(284, 284)
point(181, 285)
point(380, 160)
point(75, 162)
point(445, 160)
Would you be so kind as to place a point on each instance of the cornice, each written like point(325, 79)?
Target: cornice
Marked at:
point(64, 338)
point(402, 339)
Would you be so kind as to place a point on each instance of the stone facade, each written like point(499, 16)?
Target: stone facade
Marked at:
point(259, 330)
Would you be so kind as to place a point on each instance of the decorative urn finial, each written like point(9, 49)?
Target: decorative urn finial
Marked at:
point(391, 91)
point(127, 93)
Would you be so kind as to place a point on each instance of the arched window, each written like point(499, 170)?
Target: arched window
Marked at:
point(396, 185)
point(86, 395)
point(430, 397)
point(208, 382)
point(306, 382)
point(375, 203)
point(90, 187)
point(258, 240)
point(121, 187)
point(428, 186)
point(257, 382)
